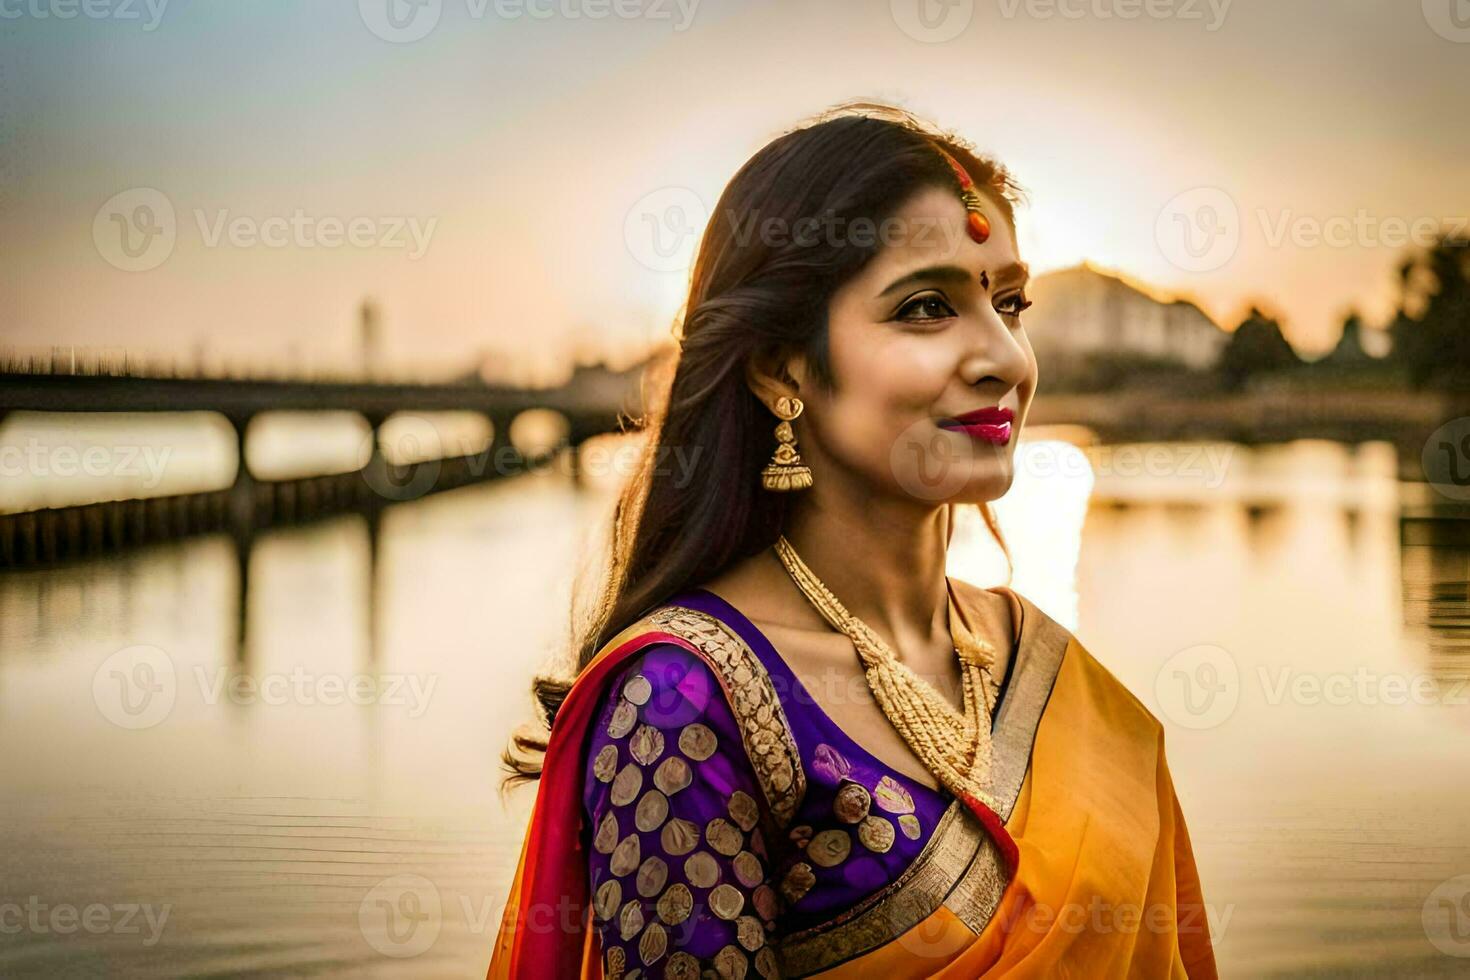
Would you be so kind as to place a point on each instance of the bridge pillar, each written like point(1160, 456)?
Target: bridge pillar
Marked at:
point(240, 519)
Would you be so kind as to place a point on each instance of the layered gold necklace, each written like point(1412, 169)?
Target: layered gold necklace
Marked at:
point(954, 745)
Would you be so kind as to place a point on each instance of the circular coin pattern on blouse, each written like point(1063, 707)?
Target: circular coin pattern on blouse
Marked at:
point(679, 836)
point(730, 962)
point(891, 796)
point(909, 824)
point(702, 869)
point(697, 741)
point(750, 933)
point(735, 835)
point(674, 905)
point(607, 834)
point(626, 784)
point(748, 870)
point(681, 966)
point(625, 856)
point(723, 836)
point(876, 834)
point(726, 901)
point(852, 802)
point(764, 900)
point(630, 921)
point(638, 689)
point(797, 881)
point(623, 718)
point(744, 811)
point(646, 745)
point(609, 897)
point(829, 848)
point(606, 763)
point(653, 944)
point(652, 874)
point(672, 775)
point(652, 810)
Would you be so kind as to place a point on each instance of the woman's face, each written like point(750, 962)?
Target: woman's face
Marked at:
point(929, 330)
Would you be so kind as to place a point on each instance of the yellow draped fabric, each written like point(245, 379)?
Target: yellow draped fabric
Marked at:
point(1107, 885)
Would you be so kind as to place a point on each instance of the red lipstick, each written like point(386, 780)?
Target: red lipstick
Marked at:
point(989, 424)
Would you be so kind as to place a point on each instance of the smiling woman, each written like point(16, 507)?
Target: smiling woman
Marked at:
point(794, 745)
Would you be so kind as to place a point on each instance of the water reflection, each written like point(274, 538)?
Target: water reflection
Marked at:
point(1436, 590)
point(273, 819)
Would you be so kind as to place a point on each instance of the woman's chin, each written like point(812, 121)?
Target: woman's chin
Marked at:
point(990, 482)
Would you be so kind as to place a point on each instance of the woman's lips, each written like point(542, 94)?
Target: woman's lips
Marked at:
point(989, 424)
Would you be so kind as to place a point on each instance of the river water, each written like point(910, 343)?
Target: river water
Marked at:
point(320, 798)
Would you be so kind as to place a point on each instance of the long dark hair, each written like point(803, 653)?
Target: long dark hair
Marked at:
point(750, 294)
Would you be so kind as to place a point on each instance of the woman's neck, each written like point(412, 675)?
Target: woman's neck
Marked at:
point(885, 561)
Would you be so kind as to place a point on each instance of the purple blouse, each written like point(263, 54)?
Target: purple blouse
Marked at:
point(681, 877)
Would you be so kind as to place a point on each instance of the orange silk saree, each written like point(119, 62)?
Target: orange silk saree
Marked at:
point(1105, 883)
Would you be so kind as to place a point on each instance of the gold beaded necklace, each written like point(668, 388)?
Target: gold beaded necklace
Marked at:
point(954, 745)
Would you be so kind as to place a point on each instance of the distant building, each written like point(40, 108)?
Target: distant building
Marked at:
point(1083, 311)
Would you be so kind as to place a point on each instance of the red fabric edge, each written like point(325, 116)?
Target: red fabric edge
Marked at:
point(552, 877)
point(996, 828)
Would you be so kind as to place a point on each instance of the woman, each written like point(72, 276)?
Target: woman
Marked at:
point(794, 746)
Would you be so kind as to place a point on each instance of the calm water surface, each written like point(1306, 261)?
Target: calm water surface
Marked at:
point(322, 799)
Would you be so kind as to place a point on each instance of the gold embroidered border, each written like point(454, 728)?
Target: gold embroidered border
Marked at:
point(978, 893)
point(1045, 642)
point(763, 726)
point(960, 867)
point(893, 909)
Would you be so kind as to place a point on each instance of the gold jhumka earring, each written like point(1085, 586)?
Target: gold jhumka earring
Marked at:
point(786, 471)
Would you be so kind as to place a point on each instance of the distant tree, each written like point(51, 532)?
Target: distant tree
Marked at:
point(1256, 347)
point(1431, 332)
point(1349, 349)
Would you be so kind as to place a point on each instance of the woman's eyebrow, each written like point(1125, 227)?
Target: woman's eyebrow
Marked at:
point(953, 274)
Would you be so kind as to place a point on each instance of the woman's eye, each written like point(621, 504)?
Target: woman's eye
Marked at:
point(1013, 305)
point(933, 307)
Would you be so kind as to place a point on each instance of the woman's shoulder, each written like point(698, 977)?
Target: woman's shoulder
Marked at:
point(668, 694)
point(709, 687)
point(673, 809)
point(1057, 650)
point(1112, 698)
point(664, 685)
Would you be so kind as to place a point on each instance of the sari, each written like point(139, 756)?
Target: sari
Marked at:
point(769, 843)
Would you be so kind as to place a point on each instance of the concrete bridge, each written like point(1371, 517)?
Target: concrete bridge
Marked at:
point(595, 401)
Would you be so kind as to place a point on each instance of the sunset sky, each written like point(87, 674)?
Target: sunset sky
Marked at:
point(526, 153)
